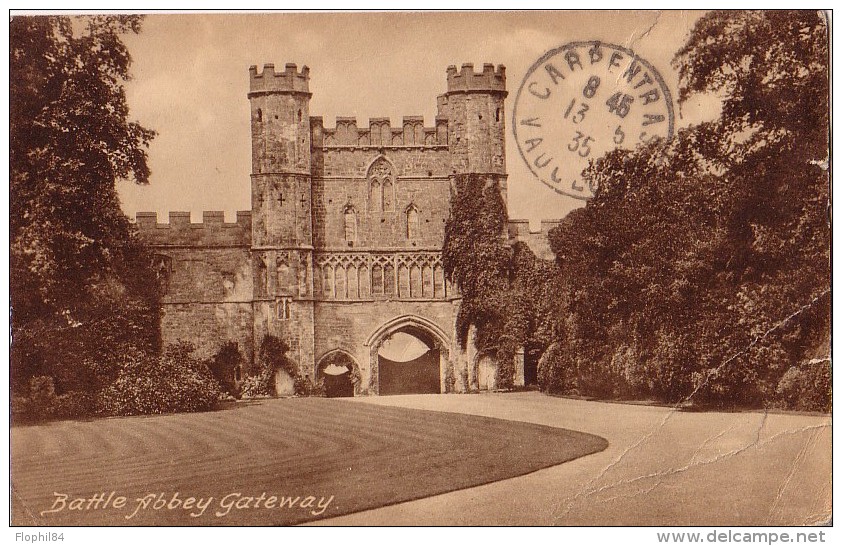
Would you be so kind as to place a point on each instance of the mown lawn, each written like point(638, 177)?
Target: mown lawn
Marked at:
point(246, 465)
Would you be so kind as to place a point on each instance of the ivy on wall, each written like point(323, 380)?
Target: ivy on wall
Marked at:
point(503, 286)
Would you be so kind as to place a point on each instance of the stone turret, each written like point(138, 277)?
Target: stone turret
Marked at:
point(474, 108)
point(280, 130)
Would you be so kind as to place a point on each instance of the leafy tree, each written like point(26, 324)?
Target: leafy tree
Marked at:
point(81, 285)
point(707, 257)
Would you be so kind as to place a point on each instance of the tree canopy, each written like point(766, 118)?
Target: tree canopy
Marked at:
point(701, 268)
point(81, 284)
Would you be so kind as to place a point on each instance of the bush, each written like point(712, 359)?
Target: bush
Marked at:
point(255, 386)
point(38, 402)
point(74, 404)
point(270, 358)
point(806, 387)
point(304, 386)
point(224, 367)
point(555, 374)
point(42, 397)
point(504, 375)
point(20, 408)
point(41, 402)
point(173, 382)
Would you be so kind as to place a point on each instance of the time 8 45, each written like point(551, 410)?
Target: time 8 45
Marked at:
point(618, 104)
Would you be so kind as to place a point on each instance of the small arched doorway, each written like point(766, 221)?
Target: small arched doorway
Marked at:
point(409, 362)
point(339, 373)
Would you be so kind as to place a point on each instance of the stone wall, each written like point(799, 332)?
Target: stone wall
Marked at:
point(537, 241)
point(296, 329)
point(339, 201)
point(208, 325)
point(206, 278)
point(212, 231)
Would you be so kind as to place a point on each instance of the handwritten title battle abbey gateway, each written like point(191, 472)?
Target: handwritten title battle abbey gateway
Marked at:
point(340, 255)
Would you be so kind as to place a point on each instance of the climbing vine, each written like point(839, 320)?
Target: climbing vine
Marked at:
point(272, 356)
point(503, 286)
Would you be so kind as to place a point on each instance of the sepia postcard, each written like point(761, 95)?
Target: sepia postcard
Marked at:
point(546, 268)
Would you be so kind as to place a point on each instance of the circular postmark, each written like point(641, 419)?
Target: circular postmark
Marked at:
point(582, 100)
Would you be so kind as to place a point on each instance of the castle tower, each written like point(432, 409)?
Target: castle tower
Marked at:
point(280, 136)
point(282, 225)
point(476, 117)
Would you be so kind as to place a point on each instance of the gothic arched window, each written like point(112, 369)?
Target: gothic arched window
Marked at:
point(285, 278)
point(389, 280)
point(376, 196)
point(350, 224)
point(376, 279)
point(413, 222)
point(381, 186)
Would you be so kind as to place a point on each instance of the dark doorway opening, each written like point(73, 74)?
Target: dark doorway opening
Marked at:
point(335, 371)
point(409, 363)
point(339, 386)
point(531, 356)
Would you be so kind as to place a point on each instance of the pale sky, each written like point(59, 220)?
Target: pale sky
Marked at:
point(191, 80)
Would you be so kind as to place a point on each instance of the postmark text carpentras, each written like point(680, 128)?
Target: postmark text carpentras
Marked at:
point(582, 100)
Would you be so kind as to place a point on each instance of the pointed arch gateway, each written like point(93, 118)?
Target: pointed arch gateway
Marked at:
point(409, 355)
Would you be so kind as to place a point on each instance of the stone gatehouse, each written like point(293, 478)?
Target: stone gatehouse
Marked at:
point(340, 255)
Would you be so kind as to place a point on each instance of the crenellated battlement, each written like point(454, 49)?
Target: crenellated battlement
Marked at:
point(466, 80)
point(380, 132)
point(537, 241)
point(520, 226)
point(212, 231)
point(288, 81)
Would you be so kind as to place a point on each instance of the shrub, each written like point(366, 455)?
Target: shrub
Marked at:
point(74, 404)
point(255, 386)
point(42, 397)
point(224, 367)
point(173, 382)
point(270, 358)
point(40, 402)
point(20, 408)
point(504, 374)
point(806, 387)
point(555, 372)
point(304, 386)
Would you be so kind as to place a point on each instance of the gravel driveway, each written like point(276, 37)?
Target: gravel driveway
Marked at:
point(662, 467)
